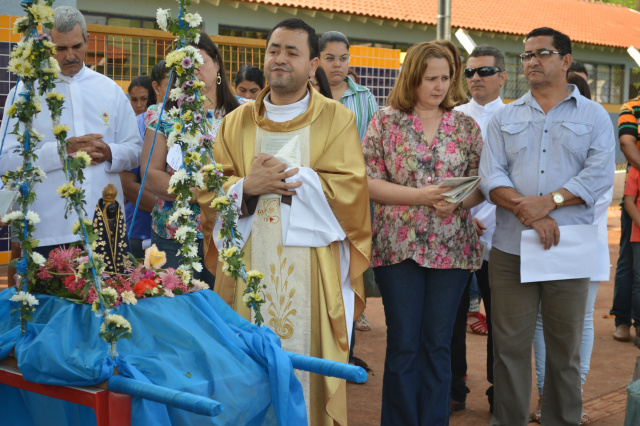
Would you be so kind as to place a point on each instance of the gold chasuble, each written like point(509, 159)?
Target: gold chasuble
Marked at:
point(304, 304)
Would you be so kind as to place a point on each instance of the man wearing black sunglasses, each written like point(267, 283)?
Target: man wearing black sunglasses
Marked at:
point(548, 157)
point(485, 73)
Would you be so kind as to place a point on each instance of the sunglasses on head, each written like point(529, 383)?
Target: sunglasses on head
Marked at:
point(482, 71)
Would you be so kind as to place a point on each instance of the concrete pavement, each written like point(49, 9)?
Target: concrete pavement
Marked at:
point(604, 395)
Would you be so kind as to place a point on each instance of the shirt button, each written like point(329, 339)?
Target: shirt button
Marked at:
point(541, 194)
point(544, 150)
point(541, 171)
point(546, 131)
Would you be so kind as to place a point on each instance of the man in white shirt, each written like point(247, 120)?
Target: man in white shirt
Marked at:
point(295, 163)
point(485, 73)
point(102, 124)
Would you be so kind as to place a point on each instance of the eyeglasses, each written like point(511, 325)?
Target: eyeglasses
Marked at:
point(344, 59)
point(540, 55)
point(482, 71)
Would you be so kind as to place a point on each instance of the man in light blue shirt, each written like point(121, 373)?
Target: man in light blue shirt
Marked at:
point(547, 158)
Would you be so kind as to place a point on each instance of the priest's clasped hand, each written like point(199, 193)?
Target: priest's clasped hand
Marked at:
point(92, 144)
point(267, 176)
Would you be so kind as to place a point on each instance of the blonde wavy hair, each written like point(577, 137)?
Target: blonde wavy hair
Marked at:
point(404, 94)
point(459, 94)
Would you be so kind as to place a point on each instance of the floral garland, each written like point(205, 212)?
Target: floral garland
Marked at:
point(32, 60)
point(200, 171)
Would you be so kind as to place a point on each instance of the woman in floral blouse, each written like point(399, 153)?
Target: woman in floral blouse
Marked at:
point(220, 101)
point(423, 246)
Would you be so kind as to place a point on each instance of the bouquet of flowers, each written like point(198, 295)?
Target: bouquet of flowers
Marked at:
point(62, 275)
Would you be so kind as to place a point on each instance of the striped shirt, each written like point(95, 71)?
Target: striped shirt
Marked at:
point(629, 118)
point(363, 104)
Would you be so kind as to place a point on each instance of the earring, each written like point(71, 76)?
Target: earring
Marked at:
point(158, 93)
point(219, 79)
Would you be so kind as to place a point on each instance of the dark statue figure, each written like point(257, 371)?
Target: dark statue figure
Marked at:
point(109, 224)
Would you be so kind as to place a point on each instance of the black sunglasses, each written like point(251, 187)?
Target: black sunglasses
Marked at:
point(482, 71)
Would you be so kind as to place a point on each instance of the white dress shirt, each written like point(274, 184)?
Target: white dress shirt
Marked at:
point(484, 212)
point(93, 104)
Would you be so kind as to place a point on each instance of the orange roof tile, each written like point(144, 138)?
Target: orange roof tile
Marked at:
point(584, 21)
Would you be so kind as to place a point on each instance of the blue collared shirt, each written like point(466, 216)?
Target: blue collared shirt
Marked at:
point(571, 147)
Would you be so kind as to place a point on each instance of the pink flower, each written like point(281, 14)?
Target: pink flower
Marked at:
point(186, 62)
point(466, 249)
point(451, 148)
point(446, 262)
point(403, 231)
point(170, 279)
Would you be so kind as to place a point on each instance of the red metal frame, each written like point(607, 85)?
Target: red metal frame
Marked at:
point(111, 408)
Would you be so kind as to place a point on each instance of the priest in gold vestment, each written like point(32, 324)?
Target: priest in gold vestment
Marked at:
point(294, 159)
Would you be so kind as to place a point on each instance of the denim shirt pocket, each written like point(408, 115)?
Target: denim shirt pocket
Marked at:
point(575, 136)
point(515, 138)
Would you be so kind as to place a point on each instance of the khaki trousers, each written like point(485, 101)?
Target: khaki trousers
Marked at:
point(514, 311)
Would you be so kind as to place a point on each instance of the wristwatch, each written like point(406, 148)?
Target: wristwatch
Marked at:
point(558, 198)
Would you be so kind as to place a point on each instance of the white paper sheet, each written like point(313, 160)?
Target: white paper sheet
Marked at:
point(575, 256)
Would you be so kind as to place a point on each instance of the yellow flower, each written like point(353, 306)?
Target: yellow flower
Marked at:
point(186, 116)
point(220, 201)
point(255, 274)
point(174, 58)
point(154, 258)
point(18, 23)
point(86, 158)
point(61, 128)
point(66, 190)
point(42, 13)
point(12, 111)
point(95, 306)
point(55, 95)
point(76, 226)
point(192, 157)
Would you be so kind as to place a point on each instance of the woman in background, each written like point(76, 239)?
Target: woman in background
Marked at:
point(249, 82)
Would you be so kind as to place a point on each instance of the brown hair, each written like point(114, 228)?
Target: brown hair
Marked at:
point(403, 96)
point(458, 93)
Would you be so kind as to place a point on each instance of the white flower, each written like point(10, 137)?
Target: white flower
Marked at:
point(196, 39)
point(33, 217)
point(193, 19)
point(161, 18)
point(168, 293)
point(197, 266)
point(182, 232)
point(25, 298)
point(190, 251)
point(174, 112)
point(178, 177)
point(197, 176)
point(117, 321)
point(108, 291)
point(199, 285)
point(129, 298)
point(175, 93)
point(38, 259)
point(10, 217)
point(246, 298)
point(173, 136)
point(178, 213)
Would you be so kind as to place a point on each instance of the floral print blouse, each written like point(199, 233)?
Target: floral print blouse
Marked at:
point(396, 150)
point(164, 209)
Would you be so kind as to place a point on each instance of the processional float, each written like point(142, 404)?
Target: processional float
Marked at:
point(178, 353)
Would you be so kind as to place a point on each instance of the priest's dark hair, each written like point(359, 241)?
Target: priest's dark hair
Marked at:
point(224, 96)
point(299, 25)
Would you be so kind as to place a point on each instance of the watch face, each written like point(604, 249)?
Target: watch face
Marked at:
point(558, 198)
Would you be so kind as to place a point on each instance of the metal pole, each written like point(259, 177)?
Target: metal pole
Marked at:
point(444, 19)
